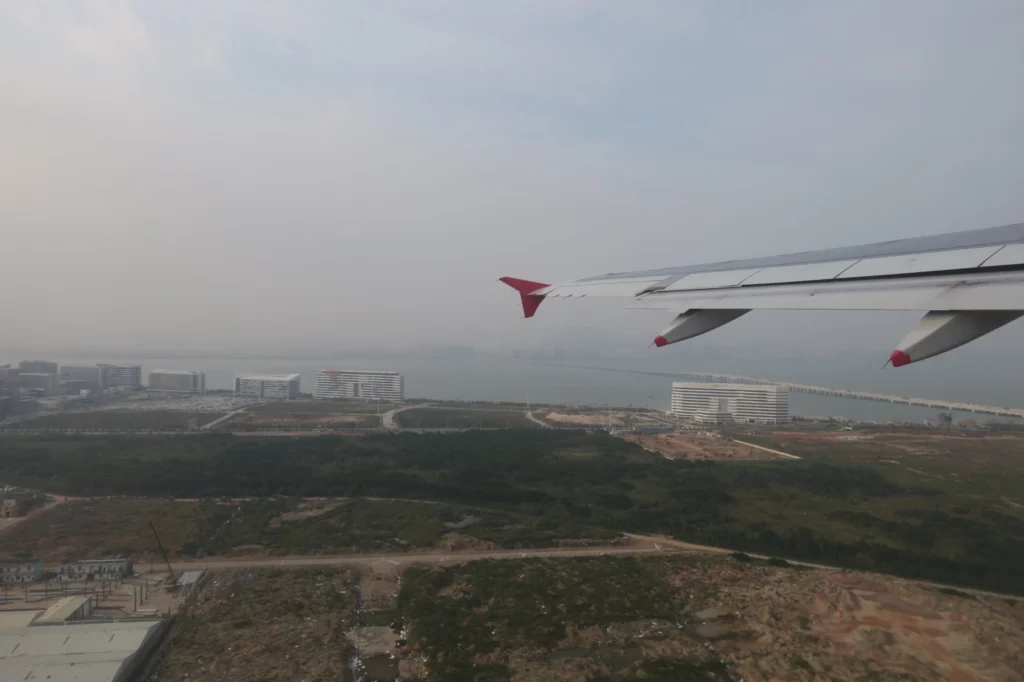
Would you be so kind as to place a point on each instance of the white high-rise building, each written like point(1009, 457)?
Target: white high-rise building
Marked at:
point(177, 380)
point(722, 403)
point(268, 386)
point(113, 376)
point(359, 384)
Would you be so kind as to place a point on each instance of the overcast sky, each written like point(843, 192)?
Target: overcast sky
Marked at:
point(281, 174)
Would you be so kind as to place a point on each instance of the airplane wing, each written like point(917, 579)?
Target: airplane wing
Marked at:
point(971, 283)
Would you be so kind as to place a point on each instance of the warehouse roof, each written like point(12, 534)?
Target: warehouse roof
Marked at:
point(17, 619)
point(62, 609)
point(79, 652)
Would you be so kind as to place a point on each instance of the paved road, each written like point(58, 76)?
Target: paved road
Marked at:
point(542, 424)
point(229, 415)
point(388, 418)
point(761, 447)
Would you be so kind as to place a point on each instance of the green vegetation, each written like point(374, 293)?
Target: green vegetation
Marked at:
point(833, 508)
point(101, 527)
point(126, 420)
point(316, 407)
point(468, 619)
point(467, 418)
point(296, 527)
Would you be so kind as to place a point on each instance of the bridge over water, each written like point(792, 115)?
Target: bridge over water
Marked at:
point(823, 390)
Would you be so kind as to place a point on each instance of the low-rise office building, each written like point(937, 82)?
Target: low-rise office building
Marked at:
point(41, 384)
point(120, 376)
point(77, 378)
point(38, 366)
point(359, 384)
point(721, 403)
point(268, 386)
point(177, 381)
point(21, 572)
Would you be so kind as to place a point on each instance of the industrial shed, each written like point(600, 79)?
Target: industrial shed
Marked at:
point(76, 651)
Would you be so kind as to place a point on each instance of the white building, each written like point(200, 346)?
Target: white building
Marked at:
point(24, 572)
point(116, 376)
point(95, 569)
point(177, 380)
point(359, 384)
point(722, 403)
point(268, 386)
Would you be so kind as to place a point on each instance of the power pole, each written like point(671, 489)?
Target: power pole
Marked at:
point(170, 571)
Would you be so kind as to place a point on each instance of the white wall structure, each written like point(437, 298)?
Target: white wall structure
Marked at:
point(177, 380)
point(720, 403)
point(359, 384)
point(268, 386)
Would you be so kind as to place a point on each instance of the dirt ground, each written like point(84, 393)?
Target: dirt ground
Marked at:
point(794, 624)
point(595, 419)
point(697, 446)
point(267, 625)
point(744, 620)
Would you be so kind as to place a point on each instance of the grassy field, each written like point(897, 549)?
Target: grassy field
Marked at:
point(307, 408)
point(275, 626)
point(92, 529)
point(463, 418)
point(949, 510)
point(653, 619)
point(129, 420)
point(102, 527)
point(306, 415)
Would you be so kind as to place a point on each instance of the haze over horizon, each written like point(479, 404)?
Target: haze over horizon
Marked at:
point(290, 175)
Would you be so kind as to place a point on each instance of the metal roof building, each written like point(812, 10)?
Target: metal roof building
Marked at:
point(76, 652)
point(68, 608)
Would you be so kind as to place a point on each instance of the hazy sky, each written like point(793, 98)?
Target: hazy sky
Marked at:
point(280, 174)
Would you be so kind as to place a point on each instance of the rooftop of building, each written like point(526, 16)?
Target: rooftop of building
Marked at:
point(78, 651)
point(268, 377)
point(333, 372)
point(182, 372)
point(732, 387)
point(17, 618)
point(62, 609)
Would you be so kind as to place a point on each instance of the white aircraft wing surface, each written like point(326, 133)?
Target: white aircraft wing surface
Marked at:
point(969, 282)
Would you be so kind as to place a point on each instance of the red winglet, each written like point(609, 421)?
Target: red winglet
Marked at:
point(525, 287)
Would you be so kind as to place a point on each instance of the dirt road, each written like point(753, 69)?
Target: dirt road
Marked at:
point(417, 558)
point(643, 545)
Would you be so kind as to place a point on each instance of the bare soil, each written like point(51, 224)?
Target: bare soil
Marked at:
point(698, 446)
point(596, 419)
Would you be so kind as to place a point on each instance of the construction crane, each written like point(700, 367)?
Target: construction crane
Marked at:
point(170, 571)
